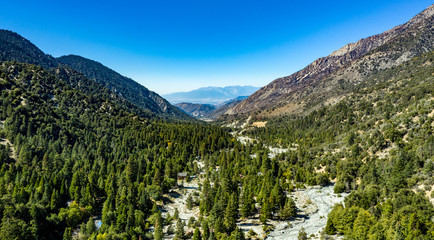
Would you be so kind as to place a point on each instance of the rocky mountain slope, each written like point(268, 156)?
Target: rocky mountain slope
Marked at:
point(90, 77)
point(196, 110)
point(327, 79)
point(209, 112)
point(211, 95)
point(224, 107)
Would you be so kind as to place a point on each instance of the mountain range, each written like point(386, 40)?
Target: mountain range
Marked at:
point(14, 47)
point(208, 112)
point(210, 95)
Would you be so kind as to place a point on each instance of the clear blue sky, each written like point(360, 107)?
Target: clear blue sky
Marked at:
point(181, 45)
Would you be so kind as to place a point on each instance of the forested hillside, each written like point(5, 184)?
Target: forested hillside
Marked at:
point(67, 146)
point(68, 158)
point(75, 69)
point(378, 144)
point(14, 47)
point(325, 79)
point(84, 157)
point(122, 86)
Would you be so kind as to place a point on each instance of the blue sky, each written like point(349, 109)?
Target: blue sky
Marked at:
point(181, 45)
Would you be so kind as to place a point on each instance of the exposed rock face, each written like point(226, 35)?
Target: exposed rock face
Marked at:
point(326, 77)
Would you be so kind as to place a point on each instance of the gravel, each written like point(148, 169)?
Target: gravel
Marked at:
point(323, 199)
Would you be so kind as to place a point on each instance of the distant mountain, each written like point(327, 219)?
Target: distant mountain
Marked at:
point(327, 79)
point(207, 111)
point(210, 95)
point(196, 110)
point(123, 86)
point(90, 77)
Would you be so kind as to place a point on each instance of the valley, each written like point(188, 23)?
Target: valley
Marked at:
point(342, 149)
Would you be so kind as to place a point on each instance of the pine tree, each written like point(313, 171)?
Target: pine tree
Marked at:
point(205, 230)
point(246, 208)
point(302, 235)
point(289, 210)
point(67, 235)
point(197, 235)
point(237, 234)
point(218, 225)
point(180, 233)
point(329, 228)
point(362, 224)
point(90, 227)
point(231, 214)
point(158, 235)
point(265, 211)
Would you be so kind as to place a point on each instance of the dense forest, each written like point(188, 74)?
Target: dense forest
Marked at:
point(378, 144)
point(80, 162)
point(70, 157)
point(66, 146)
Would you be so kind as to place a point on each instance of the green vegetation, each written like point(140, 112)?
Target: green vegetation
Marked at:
point(377, 143)
point(92, 78)
point(82, 150)
point(122, 86)
point(79, 154)
point(14, 47)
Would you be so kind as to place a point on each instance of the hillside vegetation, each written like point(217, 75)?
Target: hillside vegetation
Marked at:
point(82, 156)
point(378, 143)
point(90, 76)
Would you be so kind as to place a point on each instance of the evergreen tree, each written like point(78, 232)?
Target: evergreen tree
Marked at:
point(302, 235)
point(237, 234)
point(180, 233)
point(231, 214)
point(265, 211)
point(205, 230)
point(289, 210)
point(90, 227)
point(67, 235)
point(158, 232)
point(197, 235)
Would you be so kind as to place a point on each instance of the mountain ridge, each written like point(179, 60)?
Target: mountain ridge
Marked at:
point(121, 85)
point(291, 94)
point(14, 47)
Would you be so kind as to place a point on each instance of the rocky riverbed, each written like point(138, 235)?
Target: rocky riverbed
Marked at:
point(312, 217)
